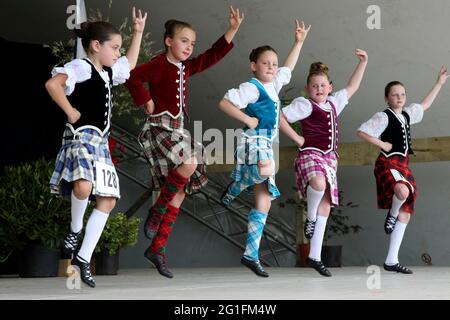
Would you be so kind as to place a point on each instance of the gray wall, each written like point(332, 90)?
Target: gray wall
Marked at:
point(410, 47)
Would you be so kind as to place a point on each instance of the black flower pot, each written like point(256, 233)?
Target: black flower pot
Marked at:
point(38, 261)
point(11, 265)
point(332, 256)
point(106, 264)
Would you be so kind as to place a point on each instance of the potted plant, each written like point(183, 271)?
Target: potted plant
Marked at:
point(120, 231)
point(33, 220)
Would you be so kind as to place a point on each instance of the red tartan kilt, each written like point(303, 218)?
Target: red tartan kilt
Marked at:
point(386, 181)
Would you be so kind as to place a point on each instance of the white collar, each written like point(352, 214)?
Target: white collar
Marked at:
point(178, 64)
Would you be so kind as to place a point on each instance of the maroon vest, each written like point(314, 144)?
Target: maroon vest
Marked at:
point(320, 129)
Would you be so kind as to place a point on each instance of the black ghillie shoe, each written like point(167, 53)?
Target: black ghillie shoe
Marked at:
point(255, 266)
point(318, 265)
point(397, 268)
point(85, 270)
point(160, 263)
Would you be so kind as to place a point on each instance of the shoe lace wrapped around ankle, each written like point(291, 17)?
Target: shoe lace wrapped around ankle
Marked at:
point(71, 241)
point(309, 227)
point(391, 221)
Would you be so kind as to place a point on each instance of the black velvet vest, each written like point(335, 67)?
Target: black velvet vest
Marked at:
point(92, 98)
point(398, 134)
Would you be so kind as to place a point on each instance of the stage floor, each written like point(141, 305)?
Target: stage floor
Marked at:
point(240, 283)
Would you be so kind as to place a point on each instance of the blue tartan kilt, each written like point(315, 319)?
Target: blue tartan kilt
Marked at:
point(249, 152)
point(76, 158)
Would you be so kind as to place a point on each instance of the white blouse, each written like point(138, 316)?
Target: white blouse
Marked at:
point(79, 70)
point(301, 108)
point(378, 123)
point(248, 93)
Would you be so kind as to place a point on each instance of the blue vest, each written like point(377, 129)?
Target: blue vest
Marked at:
point(266, 111)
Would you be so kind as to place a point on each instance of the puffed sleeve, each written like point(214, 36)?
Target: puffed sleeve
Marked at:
point(375, 126)
point(415, 112)
point(120, 71)
point(241, 97)
point(339, 99)
point(76, 70)
point(299, 109)
point(282, 78)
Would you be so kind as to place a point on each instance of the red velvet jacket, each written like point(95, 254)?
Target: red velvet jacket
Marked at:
point(168, 82)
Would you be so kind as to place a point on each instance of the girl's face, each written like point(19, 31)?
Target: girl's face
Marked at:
point(109, 51)
point(266, 66)
point(319, 88)
point(396, 97)
point(181, 46)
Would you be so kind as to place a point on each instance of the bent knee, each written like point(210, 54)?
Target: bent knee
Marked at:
point(318, 183)
point(401, 191)
point(189, 166)
point(106, 204)
point(82, 189)
point(266, 168)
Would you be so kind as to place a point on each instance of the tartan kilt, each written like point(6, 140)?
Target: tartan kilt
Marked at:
point(386, 181)
point(311, 163)
point(167, 149)
point(75, 161)
point(249, 151)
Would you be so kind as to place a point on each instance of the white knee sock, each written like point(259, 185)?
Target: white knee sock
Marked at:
point(94, 229)
point(395, 242)
point(313, 197)
point(78, 207)
point(315, 249)
point(396, 205)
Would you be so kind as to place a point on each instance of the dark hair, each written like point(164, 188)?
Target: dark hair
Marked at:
point(172, 26)
point(98, 30)
point(257, 52)
point(388, 87)
point(318, 69)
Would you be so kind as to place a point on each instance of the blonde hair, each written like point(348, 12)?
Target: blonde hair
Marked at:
point(318, 69)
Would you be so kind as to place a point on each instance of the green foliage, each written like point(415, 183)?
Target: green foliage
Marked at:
point(119, 232)
point(29, 212)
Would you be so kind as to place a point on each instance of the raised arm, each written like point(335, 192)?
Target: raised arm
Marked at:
point(286, 128)
point(235, 20)
point(227, 107)
point(300, 36)
point(55, 87)
point(138, 29)
point(442, 78)
point(356, 78)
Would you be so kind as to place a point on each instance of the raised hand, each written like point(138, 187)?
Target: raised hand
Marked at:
point(235, 18)
point(443, 75)
point(300, 31)
point(362, 55)
point(139, 21)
